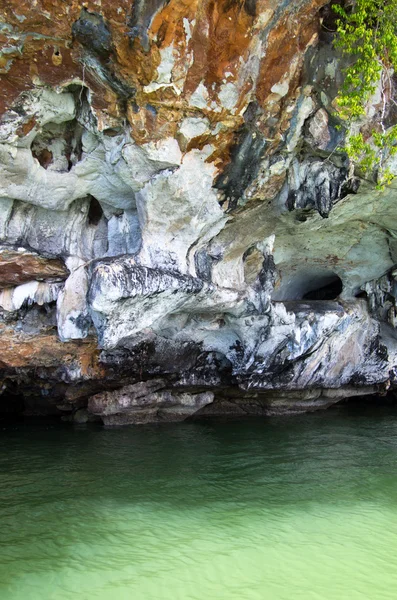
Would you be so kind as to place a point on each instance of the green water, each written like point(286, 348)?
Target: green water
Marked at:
point(286, 509)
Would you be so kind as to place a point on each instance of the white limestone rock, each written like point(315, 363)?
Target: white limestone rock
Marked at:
point(73, 318)
point(27, 294)
point(176, 209)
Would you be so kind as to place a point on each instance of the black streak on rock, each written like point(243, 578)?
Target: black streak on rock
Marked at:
point(142, 13)
point(248, 5)
point(93, 33)
point(246, 157)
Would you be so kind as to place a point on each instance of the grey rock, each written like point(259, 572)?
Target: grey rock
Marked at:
point(146, 402)
point(315, 184)
point(265, 285)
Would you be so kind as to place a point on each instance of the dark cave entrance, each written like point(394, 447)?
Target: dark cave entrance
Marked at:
point(19, 404)
point(95, 211)
point(330, 291)
point(310, 284)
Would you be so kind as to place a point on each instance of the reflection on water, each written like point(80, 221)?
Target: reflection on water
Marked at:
point(284, 509)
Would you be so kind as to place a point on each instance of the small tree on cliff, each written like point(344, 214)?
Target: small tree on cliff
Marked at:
point(367, 31)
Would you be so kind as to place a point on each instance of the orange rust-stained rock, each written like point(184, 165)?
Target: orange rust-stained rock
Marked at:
point(216, 44)
point(45, 53)
point(18, 267)
point(151, 125)
point(220, 41)
point(45, 350)
point(286, 44)
point(53, 18)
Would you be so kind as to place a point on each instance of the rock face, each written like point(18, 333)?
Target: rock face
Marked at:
point(180, 232)
point(145, 402)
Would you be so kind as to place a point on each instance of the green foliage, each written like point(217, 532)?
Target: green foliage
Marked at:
point(368, 33)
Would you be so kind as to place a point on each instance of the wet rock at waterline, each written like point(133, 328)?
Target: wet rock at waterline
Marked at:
point(175, 208)
point(145, 402)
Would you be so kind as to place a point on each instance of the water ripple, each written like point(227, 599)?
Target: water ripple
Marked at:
point(301, 508)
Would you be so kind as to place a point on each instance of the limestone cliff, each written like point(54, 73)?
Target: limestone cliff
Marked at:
point(179, 230)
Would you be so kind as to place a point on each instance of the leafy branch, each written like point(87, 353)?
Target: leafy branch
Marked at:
point(368, 33)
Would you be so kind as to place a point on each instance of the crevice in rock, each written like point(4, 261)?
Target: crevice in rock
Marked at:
point(362, 294)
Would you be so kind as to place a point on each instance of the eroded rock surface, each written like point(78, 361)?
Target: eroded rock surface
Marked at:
point(180, 232)
point(146, 402)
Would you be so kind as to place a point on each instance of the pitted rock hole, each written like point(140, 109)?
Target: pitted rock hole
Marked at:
point(57, 146)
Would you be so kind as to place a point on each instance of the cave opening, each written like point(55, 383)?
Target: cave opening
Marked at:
point(19, 402)
point(12, 406)
point(330, 291)
point(366, 403)
point(362, 294)
point(311, 284)
point(95, 211)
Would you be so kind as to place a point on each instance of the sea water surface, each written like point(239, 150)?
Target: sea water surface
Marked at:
point(283, 509)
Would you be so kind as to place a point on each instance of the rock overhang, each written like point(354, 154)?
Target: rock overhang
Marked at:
point(182, 162)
